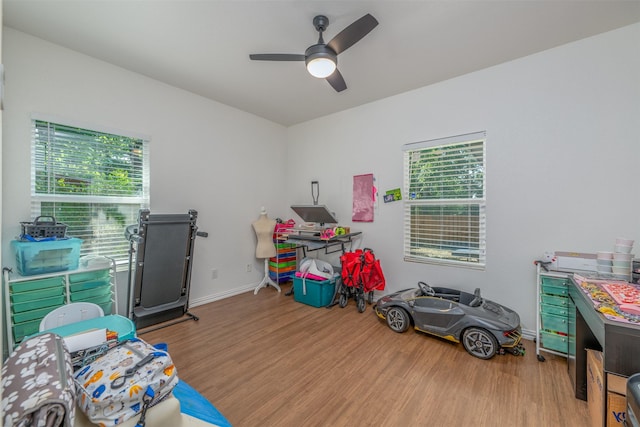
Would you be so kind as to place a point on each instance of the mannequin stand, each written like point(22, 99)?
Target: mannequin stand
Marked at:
point(266, 280)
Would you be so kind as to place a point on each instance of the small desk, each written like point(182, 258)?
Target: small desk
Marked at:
point(619, 342)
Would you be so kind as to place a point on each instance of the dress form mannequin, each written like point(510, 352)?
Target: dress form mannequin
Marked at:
point(265, 248)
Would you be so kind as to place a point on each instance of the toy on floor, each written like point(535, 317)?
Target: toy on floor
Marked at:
point(484, 327)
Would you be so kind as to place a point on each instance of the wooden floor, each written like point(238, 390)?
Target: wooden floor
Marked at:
point(266, 360)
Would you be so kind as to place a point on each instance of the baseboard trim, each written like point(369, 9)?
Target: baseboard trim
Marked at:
point(222, 295)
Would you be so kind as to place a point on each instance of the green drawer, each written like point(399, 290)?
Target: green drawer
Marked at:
point(95, 292)
point(89, 275)
point(33, 285)
point(89, 284)
point(21, 330)
point(106, 307)
point(554, 281)
point(38, 304)
point(554, 309)
point(41, 293)
point(556, 342)
point(554, 300)
point(550, 289)
point(554, 323)
point(96, 299)
point(27, 316)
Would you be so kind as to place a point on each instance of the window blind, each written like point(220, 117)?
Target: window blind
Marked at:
point(95, 182)
point(445, 206)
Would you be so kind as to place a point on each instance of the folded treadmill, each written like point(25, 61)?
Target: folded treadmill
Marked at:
point(160, 261)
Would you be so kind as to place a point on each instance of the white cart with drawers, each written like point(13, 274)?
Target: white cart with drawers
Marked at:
point(29, 298)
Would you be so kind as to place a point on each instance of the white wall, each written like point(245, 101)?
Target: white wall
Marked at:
point(204, 155)
point(563, 160)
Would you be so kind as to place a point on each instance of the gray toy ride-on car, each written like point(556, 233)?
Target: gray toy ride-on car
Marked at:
point(484, 327)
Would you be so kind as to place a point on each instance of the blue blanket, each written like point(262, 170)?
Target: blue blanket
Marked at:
point(194, 404)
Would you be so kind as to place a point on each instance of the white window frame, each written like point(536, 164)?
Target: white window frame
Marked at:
point(100, 243)
point(427, 242)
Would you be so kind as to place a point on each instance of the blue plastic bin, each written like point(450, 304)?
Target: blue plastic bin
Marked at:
point(312, 292)
point(46, 256)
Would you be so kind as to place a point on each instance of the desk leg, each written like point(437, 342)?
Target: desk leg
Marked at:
point(584, 339)
point(266, 280)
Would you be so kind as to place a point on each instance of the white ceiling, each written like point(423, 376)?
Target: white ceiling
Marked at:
point(203, 46)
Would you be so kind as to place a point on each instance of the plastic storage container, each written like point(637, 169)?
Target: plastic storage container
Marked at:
point(47, 256)
point(312, 292)
point(555, 342)
point(124, 327)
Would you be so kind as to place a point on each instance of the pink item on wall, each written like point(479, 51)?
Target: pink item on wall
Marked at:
point(363, 198)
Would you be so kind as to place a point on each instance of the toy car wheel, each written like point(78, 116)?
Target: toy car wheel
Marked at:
point(362, 304)
point(343, 300)
point(479, 343)
point(398, 319)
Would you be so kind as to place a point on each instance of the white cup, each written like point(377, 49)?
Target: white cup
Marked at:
point(623, 249)
point(623, 241)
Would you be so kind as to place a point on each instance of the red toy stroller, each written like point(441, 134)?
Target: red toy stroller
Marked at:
point(361, 274)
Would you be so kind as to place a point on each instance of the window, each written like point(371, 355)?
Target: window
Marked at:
point(444, 209)
point(94, 182)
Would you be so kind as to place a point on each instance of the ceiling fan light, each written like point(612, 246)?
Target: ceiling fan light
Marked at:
point(321, 67)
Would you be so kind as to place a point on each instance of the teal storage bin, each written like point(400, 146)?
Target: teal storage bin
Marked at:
point(37, 304)
point(46, 256)
point(554, 323)
point(555, 342)
point(33, 285)
point(89, 276)
point(37, 294)
point(554, 300)
point(21, 330)
point(554, 309)
point(91, 293)
point(114, 322)
point(312, 292)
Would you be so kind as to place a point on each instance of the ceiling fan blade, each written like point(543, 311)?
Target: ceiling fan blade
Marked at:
point(337, 81)
point(276, 57)
point(353, 33)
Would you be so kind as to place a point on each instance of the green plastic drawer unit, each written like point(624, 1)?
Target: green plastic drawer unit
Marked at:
point(554, 300)
point(89, 284)
point(554, 286)
point(555, 342)
point(32, 285)
point(89, 276)
point(36, 304)
point(29, 315)
point(555, 323)
point(41, 293)
point(92, 293)
point(554, 309)
point(21, 330)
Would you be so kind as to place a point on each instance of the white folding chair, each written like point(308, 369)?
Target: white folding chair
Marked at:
point(70, 313)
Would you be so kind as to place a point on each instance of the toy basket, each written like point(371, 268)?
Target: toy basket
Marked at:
point(44, 226)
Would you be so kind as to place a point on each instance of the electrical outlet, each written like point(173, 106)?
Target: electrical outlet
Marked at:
point(249, 268)
point(214, 273)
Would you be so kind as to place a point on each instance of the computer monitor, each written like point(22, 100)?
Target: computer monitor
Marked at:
point(315, 213)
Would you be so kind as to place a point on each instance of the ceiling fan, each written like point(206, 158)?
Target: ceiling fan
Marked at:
point(322, 59)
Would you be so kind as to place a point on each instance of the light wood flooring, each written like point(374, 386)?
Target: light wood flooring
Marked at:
point(266, 360)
